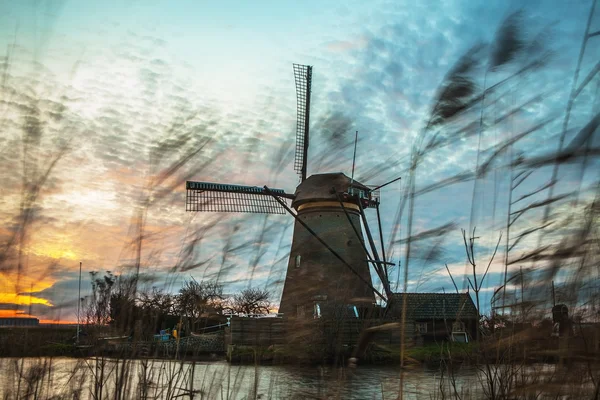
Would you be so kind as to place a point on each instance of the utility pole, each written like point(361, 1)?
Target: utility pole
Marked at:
point(78, 305)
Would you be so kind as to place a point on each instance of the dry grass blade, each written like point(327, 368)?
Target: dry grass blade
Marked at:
point(504, 146)
point(534, 192)
point(458, 178)
point(586, 134)
point(431, 233)
point(563, 157)
point(541, 203)
point(508, 42)
point(527, 233)
point(457, 89)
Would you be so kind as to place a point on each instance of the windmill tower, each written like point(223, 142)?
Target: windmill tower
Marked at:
point(317, 281)
point(328, 268)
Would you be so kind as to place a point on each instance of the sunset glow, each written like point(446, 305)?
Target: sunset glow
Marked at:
point(127, 102)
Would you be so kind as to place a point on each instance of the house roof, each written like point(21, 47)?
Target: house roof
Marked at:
point(434, 306)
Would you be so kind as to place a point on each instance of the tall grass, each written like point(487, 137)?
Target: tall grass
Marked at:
point(509, 339)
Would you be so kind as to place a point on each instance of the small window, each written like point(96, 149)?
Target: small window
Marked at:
point(300, 311)
point(317, 311)
point(421, 327)
point(298, 258)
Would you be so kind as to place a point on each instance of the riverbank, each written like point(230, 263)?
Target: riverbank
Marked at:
point(59, 342)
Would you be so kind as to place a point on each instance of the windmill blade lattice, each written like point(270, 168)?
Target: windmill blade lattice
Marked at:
point(303, 77)
point(216, 197)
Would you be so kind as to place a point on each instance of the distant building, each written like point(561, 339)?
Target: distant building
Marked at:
point(438, 316)
point(12, 322)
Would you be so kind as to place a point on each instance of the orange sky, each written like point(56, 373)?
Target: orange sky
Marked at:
point(11, 313)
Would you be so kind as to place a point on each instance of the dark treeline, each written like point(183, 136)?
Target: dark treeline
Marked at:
point(114, 302)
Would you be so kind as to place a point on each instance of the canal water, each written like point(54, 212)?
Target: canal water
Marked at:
point(161, 379)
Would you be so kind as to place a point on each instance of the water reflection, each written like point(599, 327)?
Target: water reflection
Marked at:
point(161, 379)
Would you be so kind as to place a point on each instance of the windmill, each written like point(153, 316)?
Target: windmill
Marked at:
point(328, 267)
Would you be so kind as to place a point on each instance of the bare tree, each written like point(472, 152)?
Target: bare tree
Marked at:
point(252, 301)
point(123, 309)
point(97, 308)
point(198, 299)
point(157, 302)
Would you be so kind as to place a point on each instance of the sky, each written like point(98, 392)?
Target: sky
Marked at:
point(106, 97)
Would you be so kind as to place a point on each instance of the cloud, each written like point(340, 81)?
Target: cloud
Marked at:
point(342, 46)
point(134, 110)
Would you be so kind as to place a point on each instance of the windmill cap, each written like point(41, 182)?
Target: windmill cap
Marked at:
point(319, 187)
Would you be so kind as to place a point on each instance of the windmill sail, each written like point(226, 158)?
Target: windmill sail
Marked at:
point(303, 77)
point(328, 267)
point(217, 197)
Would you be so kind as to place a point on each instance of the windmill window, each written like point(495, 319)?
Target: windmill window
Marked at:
point(300, 311)
point(421, 327)
point(317, 311)
point(298, 259)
